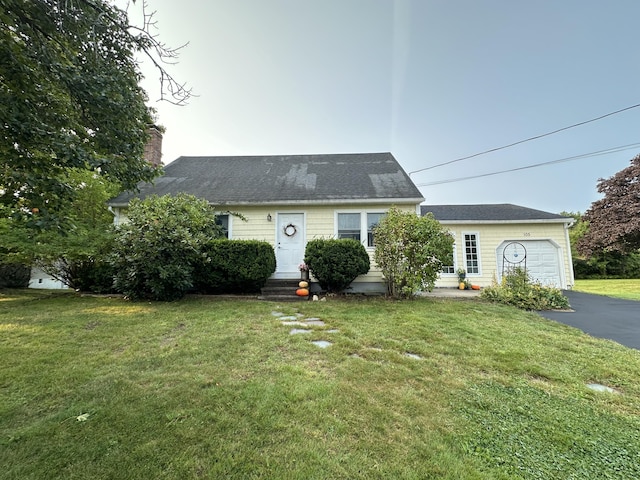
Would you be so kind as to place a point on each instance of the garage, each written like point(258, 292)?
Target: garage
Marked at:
point(541, 258)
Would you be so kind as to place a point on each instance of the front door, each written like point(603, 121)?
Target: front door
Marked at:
point(290, 244)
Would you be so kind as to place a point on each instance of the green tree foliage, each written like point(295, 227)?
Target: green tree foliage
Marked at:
point(614, 220)
point(336, 263)
point(410, 251)
point(81, 247)
point(155, 253)
point(69, 98)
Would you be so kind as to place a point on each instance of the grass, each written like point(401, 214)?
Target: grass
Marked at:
point(101, 388)
point(620, 288)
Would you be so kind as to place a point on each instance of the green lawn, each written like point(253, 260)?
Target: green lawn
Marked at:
point(101, 388)
point(629, 289)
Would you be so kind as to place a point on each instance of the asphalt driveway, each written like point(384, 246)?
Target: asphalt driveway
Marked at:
point(602, 317)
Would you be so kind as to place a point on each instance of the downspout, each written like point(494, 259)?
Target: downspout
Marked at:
point(567, 241)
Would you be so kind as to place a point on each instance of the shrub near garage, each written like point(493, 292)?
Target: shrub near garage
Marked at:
point(336, 263)
point(519, 290)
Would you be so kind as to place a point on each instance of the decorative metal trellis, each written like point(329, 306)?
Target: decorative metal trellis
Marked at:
point(514, 255)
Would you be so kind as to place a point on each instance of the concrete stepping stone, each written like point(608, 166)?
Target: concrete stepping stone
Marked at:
point(315, 322)
point(333, 330)
point(288, 318)
point(295, 322)
point(322, 343)
point(413, 355)
point(297, 331)
point(601, 388)
point(277, 314)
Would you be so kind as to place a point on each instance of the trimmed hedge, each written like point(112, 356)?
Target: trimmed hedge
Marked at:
point(234, 266)
point(336, 263)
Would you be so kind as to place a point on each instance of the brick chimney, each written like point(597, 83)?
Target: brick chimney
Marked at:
point(153, 148)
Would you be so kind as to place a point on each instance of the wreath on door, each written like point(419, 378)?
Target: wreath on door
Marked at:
point(290, 230)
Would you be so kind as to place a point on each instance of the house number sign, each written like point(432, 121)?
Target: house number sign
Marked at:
point(290, 230)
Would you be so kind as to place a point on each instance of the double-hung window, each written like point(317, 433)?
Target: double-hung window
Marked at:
point(349, 225)
point(471, 252)
point(372, 221)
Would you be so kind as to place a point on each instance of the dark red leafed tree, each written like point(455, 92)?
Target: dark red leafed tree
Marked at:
point(614, 220)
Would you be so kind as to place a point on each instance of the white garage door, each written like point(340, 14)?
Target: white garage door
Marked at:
point(542, 259)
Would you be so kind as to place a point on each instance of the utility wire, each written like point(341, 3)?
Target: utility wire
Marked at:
point(526, 139)
point(620, 148)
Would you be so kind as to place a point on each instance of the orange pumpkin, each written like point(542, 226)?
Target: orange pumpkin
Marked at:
point(303, 284)
point(475, 287)
point(302, 292)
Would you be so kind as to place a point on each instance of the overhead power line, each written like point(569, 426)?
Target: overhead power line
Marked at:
point(526, 139)
point(620, 148)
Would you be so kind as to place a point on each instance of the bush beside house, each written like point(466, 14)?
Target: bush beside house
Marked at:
point(336, 263)
point(234, 266)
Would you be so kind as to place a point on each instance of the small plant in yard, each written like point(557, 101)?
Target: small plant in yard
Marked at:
point(519, 290)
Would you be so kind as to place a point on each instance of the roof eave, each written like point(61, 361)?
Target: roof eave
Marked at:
point(494, 222)
point(337, 201)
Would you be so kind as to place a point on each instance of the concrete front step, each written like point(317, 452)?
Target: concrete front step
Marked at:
point(283, 290)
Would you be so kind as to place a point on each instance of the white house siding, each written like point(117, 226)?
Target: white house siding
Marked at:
point(492, 235)
point(40, 279)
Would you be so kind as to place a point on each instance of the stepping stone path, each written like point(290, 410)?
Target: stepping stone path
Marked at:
point(298, 320)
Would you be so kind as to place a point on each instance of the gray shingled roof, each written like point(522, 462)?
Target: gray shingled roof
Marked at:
point(284, 179)
point(504, 212)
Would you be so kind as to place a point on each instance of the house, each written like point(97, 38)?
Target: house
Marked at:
point(288, 200)
point(490, 239)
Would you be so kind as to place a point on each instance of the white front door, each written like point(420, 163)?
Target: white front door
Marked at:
point(290, 244)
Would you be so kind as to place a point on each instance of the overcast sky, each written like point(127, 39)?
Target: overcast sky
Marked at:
point(428, 80)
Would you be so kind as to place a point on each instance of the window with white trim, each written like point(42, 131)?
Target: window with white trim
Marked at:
point(372, 221)
point(349, 225)
point(471, 253)
point(358, 225)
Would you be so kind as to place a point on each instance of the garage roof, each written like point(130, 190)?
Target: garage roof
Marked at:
point(491, 213)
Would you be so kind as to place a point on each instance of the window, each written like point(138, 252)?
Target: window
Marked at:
point(372, 220)
point(358, 225)
point(349, 225)
point(471, 252)
point(223, 221)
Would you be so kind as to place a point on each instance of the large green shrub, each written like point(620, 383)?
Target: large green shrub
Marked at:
point(234, 266)
point(519, 290)
point(336, 263)
point(155, 253)
point(410, 251)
